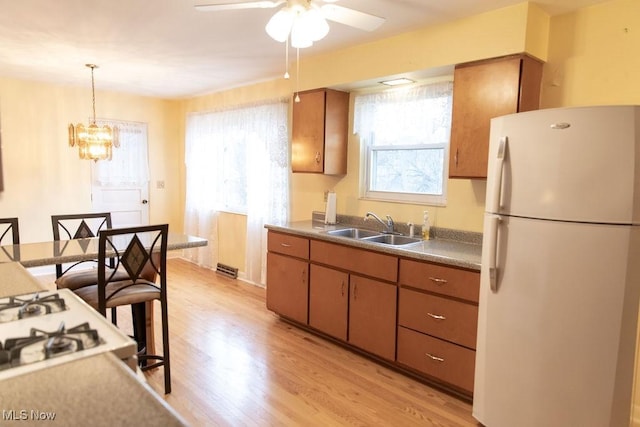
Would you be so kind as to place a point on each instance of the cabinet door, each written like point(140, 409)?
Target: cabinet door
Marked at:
point(320, 132)
point(307, 151)
point(328, 301)
point(288, 287)
point(484, 90)
point(372, 316)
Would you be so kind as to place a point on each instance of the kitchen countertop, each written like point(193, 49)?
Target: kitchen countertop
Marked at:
point(444, 251)
point(16, 280)
point(99, 390)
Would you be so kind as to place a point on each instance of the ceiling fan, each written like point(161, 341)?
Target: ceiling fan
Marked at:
point(302, 20)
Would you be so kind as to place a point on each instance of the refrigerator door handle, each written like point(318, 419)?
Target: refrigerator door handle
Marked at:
point(494, 225)
point(497, 182)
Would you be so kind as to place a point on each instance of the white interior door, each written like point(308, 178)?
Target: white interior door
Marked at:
point(121, 186)
point(129, 206)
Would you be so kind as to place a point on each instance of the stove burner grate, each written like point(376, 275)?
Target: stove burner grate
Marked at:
point(41, 345)
point(16, 308)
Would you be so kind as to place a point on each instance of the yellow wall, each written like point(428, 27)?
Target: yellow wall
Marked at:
point(593, 56)
point(43, 175)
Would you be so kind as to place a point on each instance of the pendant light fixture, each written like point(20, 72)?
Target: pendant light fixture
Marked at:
point(94, 142)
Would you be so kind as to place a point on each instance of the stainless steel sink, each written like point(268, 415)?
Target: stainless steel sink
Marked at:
point(354, 233)
point(392, 239)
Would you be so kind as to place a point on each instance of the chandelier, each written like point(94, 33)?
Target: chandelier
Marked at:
point(301, 20)
point(94, 142)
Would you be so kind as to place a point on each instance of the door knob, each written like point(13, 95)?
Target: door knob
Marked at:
point(145, 201)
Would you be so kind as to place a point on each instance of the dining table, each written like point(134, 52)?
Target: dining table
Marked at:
point(39, 254)
point(53, 252)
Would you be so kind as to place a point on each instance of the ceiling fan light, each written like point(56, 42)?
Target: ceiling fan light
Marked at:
point(280, 24)
point(300, 36)
point(315, 23)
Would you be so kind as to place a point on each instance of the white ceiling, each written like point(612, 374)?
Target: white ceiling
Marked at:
point(168, 49)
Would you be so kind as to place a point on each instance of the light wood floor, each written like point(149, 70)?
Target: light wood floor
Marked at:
point(234, 363)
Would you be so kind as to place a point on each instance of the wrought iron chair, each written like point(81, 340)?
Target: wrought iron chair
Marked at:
point(142, 253)
point(79, 226)
point(10, 235)
point(9, 227)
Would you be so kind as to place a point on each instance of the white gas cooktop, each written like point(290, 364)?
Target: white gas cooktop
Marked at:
point(48, 328)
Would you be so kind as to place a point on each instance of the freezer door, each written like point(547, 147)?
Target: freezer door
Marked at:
point(574, 164)
point(556, 337)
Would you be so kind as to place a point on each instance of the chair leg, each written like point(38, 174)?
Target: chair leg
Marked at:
point(165, 348)
point(114, 316)
point(164, 359)
point(138, 317)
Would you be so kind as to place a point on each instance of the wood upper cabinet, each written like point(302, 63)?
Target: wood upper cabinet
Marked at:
point(483, 90)
point(319, 135)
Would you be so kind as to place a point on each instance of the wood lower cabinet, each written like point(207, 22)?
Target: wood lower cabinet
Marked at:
point(288, 287)
point(364, 312)
point(288, 276)
point(329, 301)
point(438, 321)
point(439, 359)
point(419, 316)
point(372, 316)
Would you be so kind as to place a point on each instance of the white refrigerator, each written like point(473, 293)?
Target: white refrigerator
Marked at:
point(560, 277)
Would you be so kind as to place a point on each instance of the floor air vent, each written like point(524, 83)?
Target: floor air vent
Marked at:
point(227, 270)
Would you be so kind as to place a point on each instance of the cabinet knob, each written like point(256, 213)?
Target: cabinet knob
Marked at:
point(438, 281)
point(318, 157)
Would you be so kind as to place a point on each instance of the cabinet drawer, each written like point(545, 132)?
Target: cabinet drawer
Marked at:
point(287, 244)
point(439, 359)
point(443, 280)
point(368, 263)
point(441, 317)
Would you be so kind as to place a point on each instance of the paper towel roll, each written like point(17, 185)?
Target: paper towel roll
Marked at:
point(330, 213)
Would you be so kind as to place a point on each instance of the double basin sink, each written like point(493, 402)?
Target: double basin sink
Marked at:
point(374, 236)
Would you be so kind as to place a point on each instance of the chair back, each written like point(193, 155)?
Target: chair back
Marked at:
point(9, 227)
point(141, 251)
point(78, 226)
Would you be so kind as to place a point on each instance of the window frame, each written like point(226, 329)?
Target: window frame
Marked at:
point(366, 163)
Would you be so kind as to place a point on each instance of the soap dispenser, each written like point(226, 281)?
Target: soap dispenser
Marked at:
point(425, 225)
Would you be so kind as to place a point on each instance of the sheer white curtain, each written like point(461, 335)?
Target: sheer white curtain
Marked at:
point(262, 131)
point(201, 217)
point(400, 115)
point(129, 165)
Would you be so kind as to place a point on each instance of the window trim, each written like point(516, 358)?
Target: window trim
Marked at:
point(397, 197)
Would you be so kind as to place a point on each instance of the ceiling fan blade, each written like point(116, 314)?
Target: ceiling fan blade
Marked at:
point(351, 17)
point(239, 5)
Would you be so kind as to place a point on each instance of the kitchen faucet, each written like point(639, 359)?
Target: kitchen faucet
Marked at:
point(389, 225)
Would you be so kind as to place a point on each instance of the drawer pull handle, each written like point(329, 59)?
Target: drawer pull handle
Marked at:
point(434, 358)
point(285, 245)
point(438, 281)
point(436, 316)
